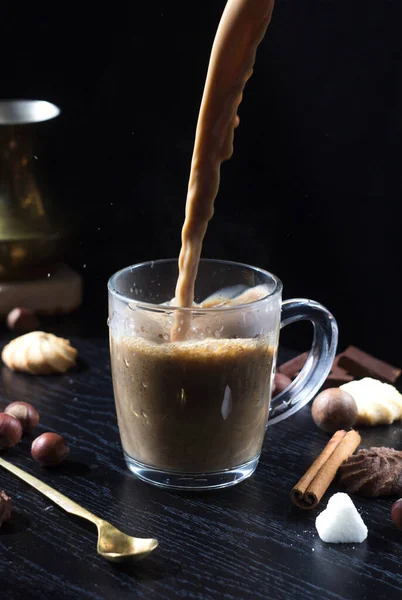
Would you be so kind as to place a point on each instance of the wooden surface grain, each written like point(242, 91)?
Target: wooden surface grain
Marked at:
point(244, 542)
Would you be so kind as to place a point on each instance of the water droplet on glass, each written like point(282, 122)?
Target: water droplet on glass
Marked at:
point(166, 337)
point(144, 384)
point(48, 274)
point(126, 362)
point(128, 325)
point(144, 414)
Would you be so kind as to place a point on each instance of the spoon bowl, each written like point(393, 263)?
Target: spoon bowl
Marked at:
point(116, 546)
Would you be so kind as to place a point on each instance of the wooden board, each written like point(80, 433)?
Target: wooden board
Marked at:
point(58, 294)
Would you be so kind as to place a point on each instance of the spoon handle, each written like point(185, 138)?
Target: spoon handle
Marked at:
point(60, 499)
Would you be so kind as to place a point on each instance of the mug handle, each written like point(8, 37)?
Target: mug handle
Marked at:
point(319, 361)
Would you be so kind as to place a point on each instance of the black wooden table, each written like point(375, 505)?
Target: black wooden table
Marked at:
point(243, 542)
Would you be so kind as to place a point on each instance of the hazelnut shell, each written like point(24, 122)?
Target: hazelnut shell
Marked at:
point(396, 513)
point(334, 409)
point(27, 415)
point(10, 431)
point(50, 449)
point(281, 382)
point(22, 320)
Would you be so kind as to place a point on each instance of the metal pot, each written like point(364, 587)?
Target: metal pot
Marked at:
point(31, 236)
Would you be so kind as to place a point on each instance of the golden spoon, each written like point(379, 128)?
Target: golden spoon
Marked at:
point(112, 543)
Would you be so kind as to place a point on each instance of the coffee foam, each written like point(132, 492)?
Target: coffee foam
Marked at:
point(193, 350)
point(156, 325)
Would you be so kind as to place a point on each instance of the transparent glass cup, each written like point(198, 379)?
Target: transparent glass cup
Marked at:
point(192, 412)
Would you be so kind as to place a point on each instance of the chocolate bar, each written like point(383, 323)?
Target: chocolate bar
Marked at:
point(347, 366)
point(293, 366)
point(337, 377)
point(360, 364)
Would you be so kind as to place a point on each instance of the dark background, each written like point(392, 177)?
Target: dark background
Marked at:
point(313, 190)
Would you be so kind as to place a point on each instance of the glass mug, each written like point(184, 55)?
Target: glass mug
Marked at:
point(192, 414)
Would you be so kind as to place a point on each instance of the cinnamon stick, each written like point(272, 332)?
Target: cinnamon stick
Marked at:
point(308, 492)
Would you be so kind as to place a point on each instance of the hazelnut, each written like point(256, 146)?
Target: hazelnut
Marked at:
point(334, 409)
point(10, 431)
point(281, 382)
point(50, 449)
point(27, 415)
point(22, 320)
point(5, 508)
point(396, 513)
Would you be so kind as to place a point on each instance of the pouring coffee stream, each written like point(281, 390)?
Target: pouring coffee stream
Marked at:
point(241, 29)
